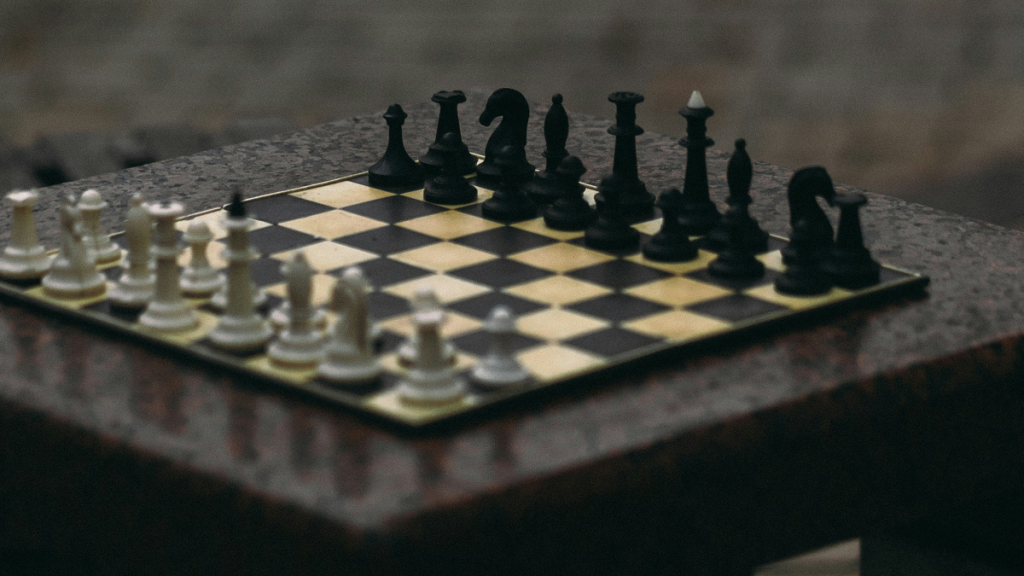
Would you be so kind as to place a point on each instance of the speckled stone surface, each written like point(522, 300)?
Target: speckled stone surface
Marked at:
point(132, 460)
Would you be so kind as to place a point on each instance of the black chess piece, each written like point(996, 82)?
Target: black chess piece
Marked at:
point(699, 214)
point(396, 167)
point(806, 185)
point(448, 121)
point(736, 261)
point(449, 186)
point(637, 204)
point(514, 111)
point(803, 275)
point(509, 203)
point(849, 262)
point(611, 231)
point(739, 174)
point(571, 211)
point(547, 186)
point(671, 243)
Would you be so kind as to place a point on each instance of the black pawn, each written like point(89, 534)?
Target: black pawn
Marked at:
point(803, 276)
point(448, 121)
point(611, 231)
point(509, 203)
point(396, 167)
point(547, 186)
point(736, 261)
point(571, 211)
point(739, 175)
point(637, 204)
point(699, 214)
point(671, 243)
point(849, 262)
point(449, 186)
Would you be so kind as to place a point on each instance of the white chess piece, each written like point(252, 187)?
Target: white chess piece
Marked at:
point(134, 288)
point(95, 237)
point(423, 299)
point(73, 272)
point(431, 381)
point(300, 344)
point(499, 367)
point(199, 279)
point(349, 359)
point(24, 258)
point(167, 311)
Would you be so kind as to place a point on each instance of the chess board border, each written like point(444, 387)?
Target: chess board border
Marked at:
point(909, 284)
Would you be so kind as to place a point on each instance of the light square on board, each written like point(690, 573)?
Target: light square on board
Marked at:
point(537, 226)
point(701, 261)
point(561, 257)
point(328, 255)
point(447, 288)
point(677, 291)
point(333, 224)
point(482, 194)
point(449, 224)
point(443, 256)
point(341, 194)
point(558, 290)
point(554, 361)
point(558, 324)
point(676, 325)
point(772, 260)
point(650, 227)
point(215, 222)
point(770, 294)
point(454, 324)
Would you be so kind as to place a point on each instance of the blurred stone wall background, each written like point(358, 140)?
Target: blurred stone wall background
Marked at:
point(917, 98)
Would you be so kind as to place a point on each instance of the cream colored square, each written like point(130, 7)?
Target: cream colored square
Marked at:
point(701, 261)
point(207, 322)
point(558, 324)
point(677, 325)
point(328, 255)
point(590, 194)
point(449, 224)
point(772, 260)
point(481, 195)
point(214, 254)
point(323, 284)
point(556, 362)
point(463, 361)
point(443, 256)
point(295, 375)
point(39, 293)
point(537, 226)
point(341, 194)
point(561, 257)
point(677, 291)
point(390, 403)
point(333, 224)
point(558, 290)
point(769, 293)
point(447, 288)
point(650, 227)
point(215, 222)
point(455, 324)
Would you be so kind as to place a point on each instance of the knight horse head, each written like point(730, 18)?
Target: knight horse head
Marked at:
point(514, 111)
point(805, 187)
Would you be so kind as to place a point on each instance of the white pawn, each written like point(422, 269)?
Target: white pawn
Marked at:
point(95, 237)
point(499, 367)
point(167, 311)
point(349, 358)
point(24, 258)
point(199, 279)
point(300, 344)
point(431, 381)
point(423, 299)
point(134, 288)
point(73, 272)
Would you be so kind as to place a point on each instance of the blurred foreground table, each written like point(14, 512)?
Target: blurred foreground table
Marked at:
point(903, 419)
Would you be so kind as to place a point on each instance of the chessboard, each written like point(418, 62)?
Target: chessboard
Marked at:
point(579, 310)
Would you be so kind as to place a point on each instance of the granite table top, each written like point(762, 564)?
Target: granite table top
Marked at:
point(131, 459)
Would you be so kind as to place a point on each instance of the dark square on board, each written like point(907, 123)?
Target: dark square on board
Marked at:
point(612, 342)
point(478, 210)
point(702, 275)
point(617, 307)
point(735, 308)
point(478, 342)
point(480, 306)
point(383, 305)
point(394, 209)
point(500, 273)
point(387, 240)
point(581, 241)
point(618, 274)
point(504, 241)
point(385, 272)
point(282, 208)
point(365, 181)
point(274, 239)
